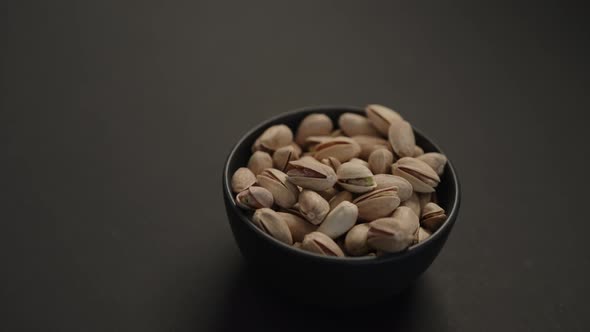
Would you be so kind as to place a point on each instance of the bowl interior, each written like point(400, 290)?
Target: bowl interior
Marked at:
point(447, 191)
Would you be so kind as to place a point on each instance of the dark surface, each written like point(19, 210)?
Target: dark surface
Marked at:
point(116, 119)
point(277, 264)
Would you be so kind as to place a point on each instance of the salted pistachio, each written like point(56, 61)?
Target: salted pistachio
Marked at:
point(355, 178)
point(254, 198)
point(242, 179)
point(359, 161)
point(354, 124)
point(381, 117)
point(339, 220)
point(380, 161)
point(273, 138)
point(313, 206)
point(377, 203)
point(404, 188)
point(319, 243)
point(435, 160)
point(312, 141)
point(401, 138)
point(341, 148)
point(272, 224)
point(315, 124)
point(413, 202)
point(369, 144)
point(421, 235)
point(424, 199)
point(328, 194)
point(332, 162)
point(422, 177)
point(389, 235)
point(433, 216)
point(339, 198)
point(309, 173)
point(259, 161)
point(417, 151)
point(282, 156)
point(298, 226)
point(337, 133)
point(284, 192)
point(355, 242)
point(408, 216)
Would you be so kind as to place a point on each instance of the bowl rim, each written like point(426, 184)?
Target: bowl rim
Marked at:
point(412, 250)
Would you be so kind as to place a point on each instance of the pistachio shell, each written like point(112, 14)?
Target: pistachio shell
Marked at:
point(413, 203)
point(368, 144)
point(433, 216)
point(315, 124)
point(408, 217)
point(377, 203)
point(359, 161)
point(381, 117)
point(272, 224)
point(312, 141)
point(422, 177)
point(341, 148)
point(339, 198)
point(422, 235)
point(297, 148)
point(356, 240)
point(319, 243)
point(254, 198)
point(404, 188)
point(353, 124)
point(276, 137)
point(284, 192)
point(390, 235)
point(380, 161)
point(328, 193)
point(309, 173)
point(283, 156)
point(332, 162)
point(242, 179)
point(259, 161)
point(401, 138)
point(298, 226)
point(337, 133)
point(355, 178)
point(418, 151)
point(313, 207)
point(435, 160)
point(339, 220)
point(424, 199)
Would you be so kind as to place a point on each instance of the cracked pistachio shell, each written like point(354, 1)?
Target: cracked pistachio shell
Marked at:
point(315, 124)
point(341, 148)
point(339, 198)
point(422, 177)
point(401, 138)
point(355, 242)
point(404, 188)
point(380, 161)
point(319, 243)
point(282, 156)
point(408, 217)
point(359, 161)
point(312, 141)
point(381, 117)
point(298, 226)
point(421, 235)
point(354, 124)
point(259, 161)
point(284, 192)
point(339, 220)
point(309, 173)
point(332, 162)
point(355, 178)
point(368, 144)
point(242, 179)
point(389, 235)
point(377, 203)
point(433, 216)
point(337, 133)
point(418, 151)
point(328, 194)
point(413, 203)
point(272, 224)
point(313, 206)
point(254, 198)
point(275, 137)
point(435, 160)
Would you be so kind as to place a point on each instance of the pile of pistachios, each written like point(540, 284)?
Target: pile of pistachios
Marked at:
point(365, 188)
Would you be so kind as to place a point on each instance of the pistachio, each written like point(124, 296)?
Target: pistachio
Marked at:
point(418, 151)
point(339, 220)
point(424, 199)
point(433, 216)
point(341, 148)
point(319, 243)
point(309, 173)
point(296, 148)
point(337, 133)
point(381, 117)
point(369, 144)
point(422, 235)
point(298, 226)
point(404, 188)
point(297, 245)
point(283, 156)
point(332, 162)
point(408, 217)
point(359, 161)
point(422, 177)
point(254, 198)
point(435, 160)
point(315, 124)
point(380, 161)
point(284, 192)
point(339, 198)
point(394, 234)
point(313, 207)
point(355, 178)
point(312, 141)
point(356, 240)
point(275, 137)
point(272, 224)
point(377, 203)
point(259, 161)
point(353, 124)
point(242, 179)
point(413, 202)
point(328, 193)
point(401, 138)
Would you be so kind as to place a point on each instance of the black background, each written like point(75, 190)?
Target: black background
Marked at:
point(116, 119)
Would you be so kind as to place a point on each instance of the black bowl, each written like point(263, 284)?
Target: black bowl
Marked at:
point(312, 278)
